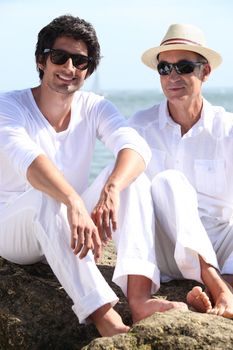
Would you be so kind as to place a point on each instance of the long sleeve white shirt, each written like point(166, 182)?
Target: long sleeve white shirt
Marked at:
point(25, 133)
point(204, 154)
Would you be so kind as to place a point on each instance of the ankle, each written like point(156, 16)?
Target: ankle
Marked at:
point(100, 313)
point(108, 322)
point(138, 307)
point(135, 302)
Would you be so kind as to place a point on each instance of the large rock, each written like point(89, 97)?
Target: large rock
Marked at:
point(175, 330)
point(35, 313)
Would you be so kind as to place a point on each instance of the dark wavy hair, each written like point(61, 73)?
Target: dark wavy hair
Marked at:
point(69, 26)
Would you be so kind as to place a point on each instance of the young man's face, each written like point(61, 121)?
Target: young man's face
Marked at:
point(64, 78)
point(182, 86)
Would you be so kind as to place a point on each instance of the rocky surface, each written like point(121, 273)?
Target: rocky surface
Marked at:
point(172, 330)
point(35, 313)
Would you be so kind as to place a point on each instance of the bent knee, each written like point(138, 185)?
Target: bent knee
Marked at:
point(170, 181)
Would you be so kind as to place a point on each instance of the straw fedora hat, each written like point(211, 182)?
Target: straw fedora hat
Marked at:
point(182, 37)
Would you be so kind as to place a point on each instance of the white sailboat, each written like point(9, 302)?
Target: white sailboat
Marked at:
point(96, 87)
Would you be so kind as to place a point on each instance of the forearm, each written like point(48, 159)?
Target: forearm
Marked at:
point(46, 177)
point(129, 165)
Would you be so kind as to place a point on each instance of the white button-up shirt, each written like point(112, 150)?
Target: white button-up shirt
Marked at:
point(204, 154)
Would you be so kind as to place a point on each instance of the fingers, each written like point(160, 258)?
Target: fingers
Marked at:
point(97, 218)
point(113, 219)
point(105, 221)
point(74, 236)
point(85, 240)
point(84, 233)
point(97, 249)
point(107, 224)
point(80, 239)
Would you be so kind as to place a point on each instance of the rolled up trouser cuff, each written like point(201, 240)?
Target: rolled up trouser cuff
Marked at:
point(136, 267)
point(97, 298)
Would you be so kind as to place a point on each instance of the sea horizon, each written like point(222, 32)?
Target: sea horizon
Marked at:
point(130, 101)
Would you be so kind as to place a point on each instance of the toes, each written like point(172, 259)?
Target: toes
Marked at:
point(199, 300)
point(196, 291)
point(222, 310)
point(214, 311)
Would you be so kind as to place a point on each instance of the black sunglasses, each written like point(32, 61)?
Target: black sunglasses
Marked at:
point(181, 67)
point(60, 57)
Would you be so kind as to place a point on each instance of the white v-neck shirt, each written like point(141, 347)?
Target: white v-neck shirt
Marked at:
point(25, 133)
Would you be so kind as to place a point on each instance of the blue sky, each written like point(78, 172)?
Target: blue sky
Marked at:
point(125, 30)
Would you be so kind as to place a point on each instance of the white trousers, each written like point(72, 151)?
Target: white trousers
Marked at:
point(35, 226)
point(181, 236)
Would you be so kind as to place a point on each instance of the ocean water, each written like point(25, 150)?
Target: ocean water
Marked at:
point(129, 102)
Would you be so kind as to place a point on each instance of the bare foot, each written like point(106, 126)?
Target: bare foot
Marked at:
point(199, 300)
point(219, 290)
point(223, 305)
point(146, 307)
point(108, 321)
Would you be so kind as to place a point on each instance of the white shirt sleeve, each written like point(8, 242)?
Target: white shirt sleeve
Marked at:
point(15, 143)
point(114, 131)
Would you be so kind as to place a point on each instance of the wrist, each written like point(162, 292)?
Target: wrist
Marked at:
point(112, 186)
point(71, 199)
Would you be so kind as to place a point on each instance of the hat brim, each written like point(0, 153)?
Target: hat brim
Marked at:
point(149, 57)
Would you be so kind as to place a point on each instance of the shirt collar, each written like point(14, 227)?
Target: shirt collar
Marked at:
point(205, 122)
point(207, 116)
point(164, 117)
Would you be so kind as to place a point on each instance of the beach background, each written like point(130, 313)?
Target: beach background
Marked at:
point(130, 101)
point(125, 29)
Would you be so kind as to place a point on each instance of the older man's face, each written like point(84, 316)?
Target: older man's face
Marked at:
point(178, 87)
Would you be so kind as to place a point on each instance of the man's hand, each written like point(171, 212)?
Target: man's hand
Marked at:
point(46, 177)
point(105, 212)
point(128, 166)
point(84, 233)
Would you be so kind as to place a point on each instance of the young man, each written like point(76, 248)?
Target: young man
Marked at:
point(47, 141)
point(191, 170)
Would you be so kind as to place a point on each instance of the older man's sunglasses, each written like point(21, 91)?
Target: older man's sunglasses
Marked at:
point(181, 67)
point(60, 57)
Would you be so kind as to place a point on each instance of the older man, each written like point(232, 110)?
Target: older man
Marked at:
point(191, 170)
